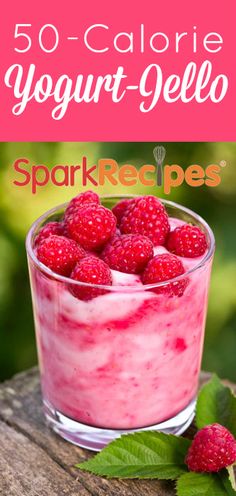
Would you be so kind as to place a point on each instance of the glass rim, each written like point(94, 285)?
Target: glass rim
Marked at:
point(118, 288)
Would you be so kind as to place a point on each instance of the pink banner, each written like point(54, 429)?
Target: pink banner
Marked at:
point(118, 72)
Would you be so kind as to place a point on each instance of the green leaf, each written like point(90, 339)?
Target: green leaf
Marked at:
point(143, 455)
point(231, 476)
point(194, 484)
point(216, 403)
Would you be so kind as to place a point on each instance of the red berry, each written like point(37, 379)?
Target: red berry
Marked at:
point(91, 270)
point(128, 253)
point(60, 254)
point(91, 226)
point(48, 230)
point(120, 208)
point(212, 449)
point(162, 268)
point(187, 241)
point(146, 215)
point(80, 200)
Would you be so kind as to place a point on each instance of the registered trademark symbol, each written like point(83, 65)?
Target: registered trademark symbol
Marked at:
point(223, 163)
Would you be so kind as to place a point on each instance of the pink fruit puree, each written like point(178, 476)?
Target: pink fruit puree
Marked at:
point(123, 360)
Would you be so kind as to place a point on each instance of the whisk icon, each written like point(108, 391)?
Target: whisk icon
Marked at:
point(159, 153)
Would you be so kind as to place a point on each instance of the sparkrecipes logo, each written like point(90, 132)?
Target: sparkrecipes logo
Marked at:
point(108, 171)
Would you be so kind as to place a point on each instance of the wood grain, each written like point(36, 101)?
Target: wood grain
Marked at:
point(35, 461)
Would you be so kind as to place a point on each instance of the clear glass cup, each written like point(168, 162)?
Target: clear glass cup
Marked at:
point(126, 360)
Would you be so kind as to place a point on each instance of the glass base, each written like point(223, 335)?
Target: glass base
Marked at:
point(95, 438)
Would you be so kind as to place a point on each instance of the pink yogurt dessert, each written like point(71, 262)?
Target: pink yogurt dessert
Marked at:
point(128, 357)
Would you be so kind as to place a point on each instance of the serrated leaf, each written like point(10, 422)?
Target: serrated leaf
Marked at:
point(143, 455)
point(216, 403)
point(195, 484)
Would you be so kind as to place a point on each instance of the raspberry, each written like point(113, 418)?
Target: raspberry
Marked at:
point(60, 254)
point(146, 215)
point(212, 449)
point(90, 270)
point(120, 208)
point(128, 253)
point(91, 226)
point(80, 200)
point(163, 268)
point(48, 230)
point(187, 241)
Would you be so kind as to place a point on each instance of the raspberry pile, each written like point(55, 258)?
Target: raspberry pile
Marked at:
point(90, 241)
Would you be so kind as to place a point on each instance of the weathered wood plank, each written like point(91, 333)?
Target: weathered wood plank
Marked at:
point(21, 408)
point(30, 454)
point(27, 469)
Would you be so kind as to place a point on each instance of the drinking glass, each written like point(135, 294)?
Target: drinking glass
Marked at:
point(123, 361)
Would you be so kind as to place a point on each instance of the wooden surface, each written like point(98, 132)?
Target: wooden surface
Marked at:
point(35, 461)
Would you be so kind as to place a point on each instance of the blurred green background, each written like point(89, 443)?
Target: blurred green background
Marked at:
point(18, 208)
